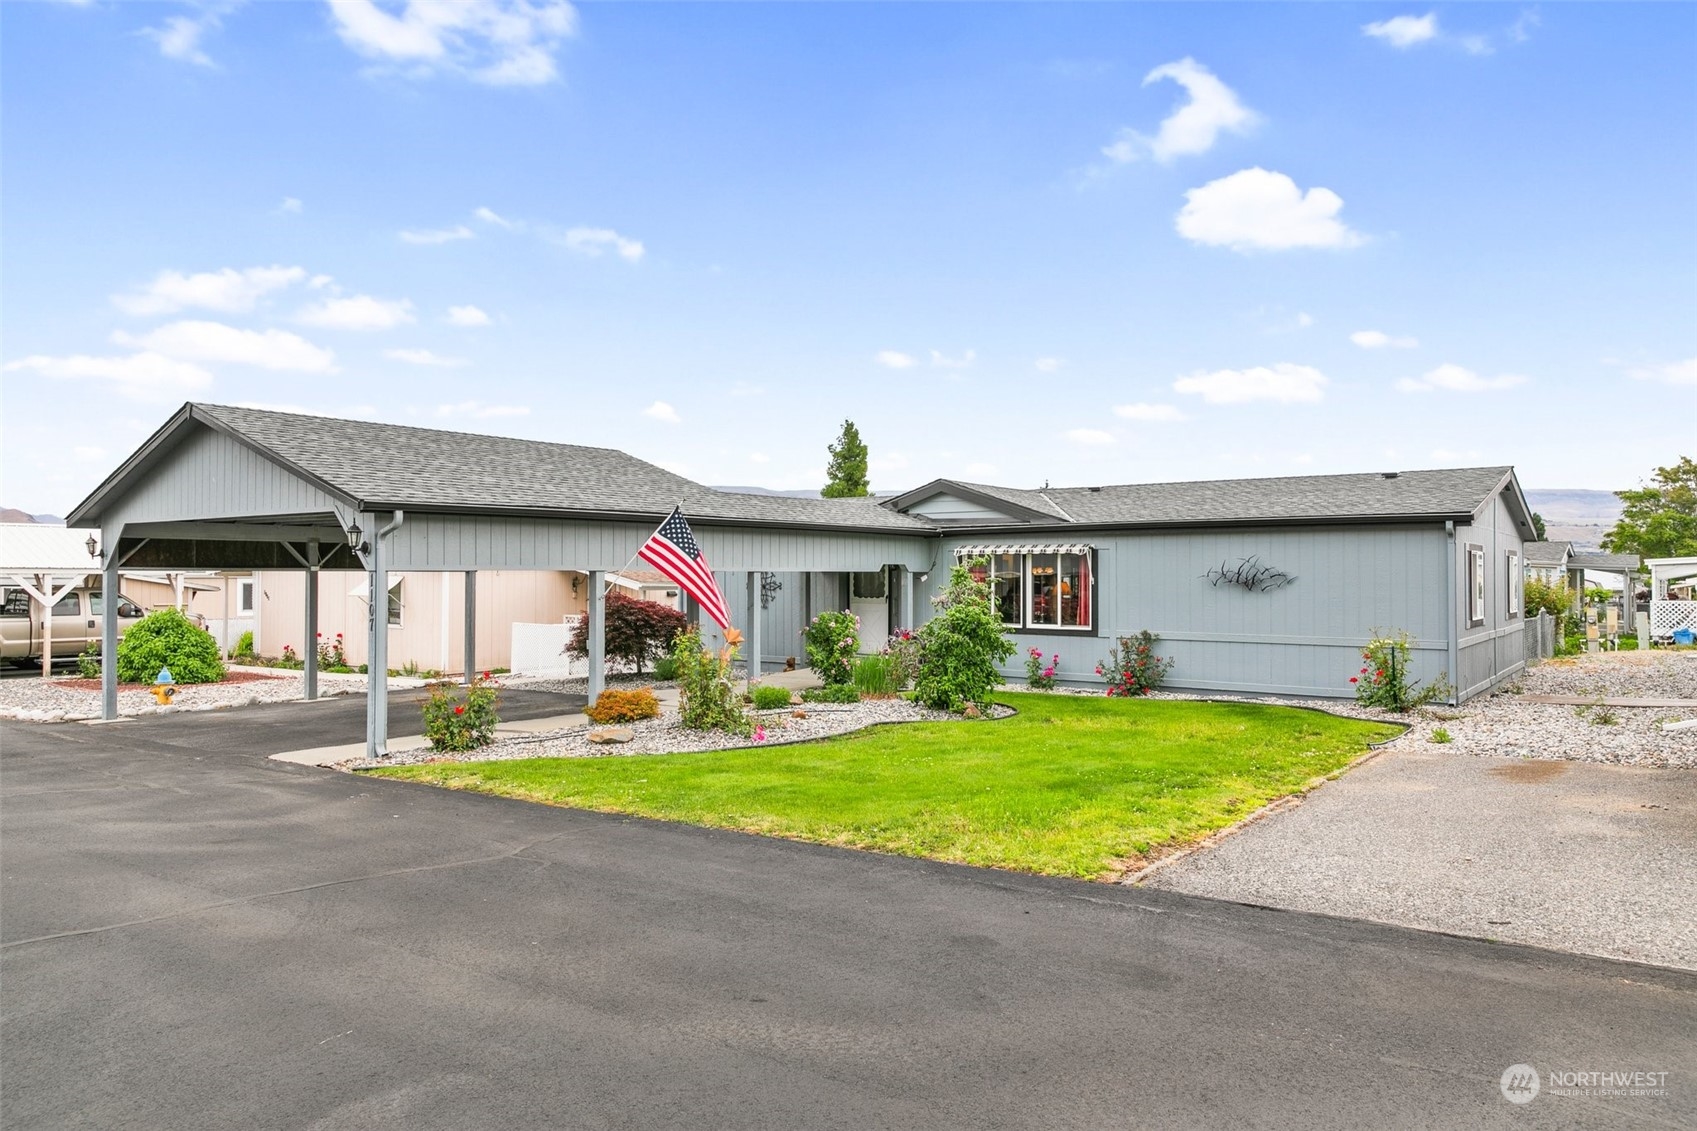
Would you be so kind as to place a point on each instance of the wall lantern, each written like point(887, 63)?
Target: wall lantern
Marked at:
point(354, 536)
point(93, 546)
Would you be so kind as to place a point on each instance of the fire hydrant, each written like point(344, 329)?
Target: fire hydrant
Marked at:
point(164, 687)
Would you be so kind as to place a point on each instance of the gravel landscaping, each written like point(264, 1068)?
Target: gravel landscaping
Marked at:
point(666, 734)
point(72, 698)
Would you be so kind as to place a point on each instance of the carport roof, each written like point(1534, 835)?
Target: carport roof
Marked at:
point(380, 467)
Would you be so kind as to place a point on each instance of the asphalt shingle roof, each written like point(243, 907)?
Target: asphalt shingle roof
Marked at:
point(1546, 553)
point(1591, 560)
point(397, 465)
point(1407, 494)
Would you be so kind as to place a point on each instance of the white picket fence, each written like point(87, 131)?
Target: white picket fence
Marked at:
point(540, 649)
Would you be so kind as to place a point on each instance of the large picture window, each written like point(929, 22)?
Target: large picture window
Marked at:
point(1039, 590)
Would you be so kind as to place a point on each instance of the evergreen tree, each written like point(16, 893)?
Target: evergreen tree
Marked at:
point(845, 476)
point(1538, 527)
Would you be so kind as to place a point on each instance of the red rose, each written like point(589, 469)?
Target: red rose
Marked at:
point(459, 710)
point(1352, 679)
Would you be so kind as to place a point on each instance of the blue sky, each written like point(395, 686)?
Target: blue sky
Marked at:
point(1083, 243)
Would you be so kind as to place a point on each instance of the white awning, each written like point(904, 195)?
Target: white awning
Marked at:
point(362, 587)
point(1022, 548)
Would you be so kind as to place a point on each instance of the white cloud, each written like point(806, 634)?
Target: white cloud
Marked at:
point(1260, 210)
point(1403, 32)
point(1093, 437)
point(1193, 127)
point(1521, 29)
point(1284, 382)
point(216, 342)
point(893, 359)
point(759, 457)
point(291, 206)
point(467, 316)
point(892, 461)
point(1673, 372)
point(594, 241)
point(944, 362)
point(358, 312)
point(497, 42)
point(489, 216)
point(1455, 379)
point(141, 376)
point(480, 411)
point(660, 410)
point(437, 235)
point(229, 290)
point(1149, 412)
point(424, 357)
point(179, 37)
point(1049, 364)
point(981, 470)
point(1378, 340)
point(87, 453)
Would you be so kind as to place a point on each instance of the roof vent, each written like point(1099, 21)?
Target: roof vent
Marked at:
point(1389, 474)
point(1095, 490)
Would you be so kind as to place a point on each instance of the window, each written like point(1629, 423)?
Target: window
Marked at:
point(1513, 577)
point(396, 603)
point(244, 597)
point(126, 607)
point(873, 585)
point(16, 604)
point(70, 605)
point(1475, 585)
point(1039, 590)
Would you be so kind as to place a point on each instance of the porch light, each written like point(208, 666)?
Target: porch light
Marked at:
point(93, 546)
point(354, 536)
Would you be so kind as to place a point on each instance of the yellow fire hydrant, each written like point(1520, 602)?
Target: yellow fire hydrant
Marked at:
point(164, 687)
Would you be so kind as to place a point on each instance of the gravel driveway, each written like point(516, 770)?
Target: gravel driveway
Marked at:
point(1571, 855)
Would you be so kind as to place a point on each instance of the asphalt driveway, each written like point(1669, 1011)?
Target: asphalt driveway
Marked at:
point(194, 936)
point(1579, 856)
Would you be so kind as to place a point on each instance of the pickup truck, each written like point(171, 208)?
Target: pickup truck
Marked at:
point(76, 623)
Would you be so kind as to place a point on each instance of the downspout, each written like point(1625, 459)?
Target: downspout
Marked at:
point(1449, 612)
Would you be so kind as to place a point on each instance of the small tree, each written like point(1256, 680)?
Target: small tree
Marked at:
point(960, 647)
point(1659, 521)
point(845, 475)
point(168, 639)
point(831, 641)
point(706, 698)
point(637, 631)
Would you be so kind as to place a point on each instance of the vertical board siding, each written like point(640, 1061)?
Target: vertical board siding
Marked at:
point(1491, 652)
point(210, 476)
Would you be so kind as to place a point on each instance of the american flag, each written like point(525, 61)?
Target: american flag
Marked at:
point(673, 551)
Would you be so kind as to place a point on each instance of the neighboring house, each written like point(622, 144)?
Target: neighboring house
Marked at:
point(1547, 561)
point(1258, 586)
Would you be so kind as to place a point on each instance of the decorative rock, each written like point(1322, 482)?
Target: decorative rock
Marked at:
point(972, 712)
point(798, 714)
point(610, 735)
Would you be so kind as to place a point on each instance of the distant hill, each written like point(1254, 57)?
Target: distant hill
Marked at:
point(794, 494)
point(1580, 517)
point(13, 514)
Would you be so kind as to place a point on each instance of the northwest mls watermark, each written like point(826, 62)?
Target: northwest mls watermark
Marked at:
point(1522, 1083)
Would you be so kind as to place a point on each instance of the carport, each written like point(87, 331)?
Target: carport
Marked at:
point(220, 487)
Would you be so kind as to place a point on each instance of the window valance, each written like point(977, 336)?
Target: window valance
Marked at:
point(1023, 548)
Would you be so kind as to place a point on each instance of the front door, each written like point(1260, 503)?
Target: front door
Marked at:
point(869, 599)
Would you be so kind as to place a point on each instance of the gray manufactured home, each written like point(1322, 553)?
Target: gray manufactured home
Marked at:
point(1257, 586)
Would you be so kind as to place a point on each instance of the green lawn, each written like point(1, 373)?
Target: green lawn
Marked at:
point(1071, 786)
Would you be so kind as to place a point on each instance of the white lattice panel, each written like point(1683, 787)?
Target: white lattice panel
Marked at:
point(1666, 617)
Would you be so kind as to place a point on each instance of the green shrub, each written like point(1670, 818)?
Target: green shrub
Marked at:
point(665, 668)
point(1383, 680)
point(1038, 675)
point(623, 706)
point(1133, 668)
point(637, 631)
point(168, 639)
point(454, 723)
point(831, 641)
point(836, 693)
point(878, 677)
point(291, 660)
point(88, 661)
point(903, 648)
point(244, 646)
point(1440, 736)
point(332, 654)
point(1540, 596)
point(770, 698)
point(707, 700)
point(961, 647)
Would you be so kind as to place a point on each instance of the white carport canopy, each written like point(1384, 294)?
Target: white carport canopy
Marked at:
point(46, 562)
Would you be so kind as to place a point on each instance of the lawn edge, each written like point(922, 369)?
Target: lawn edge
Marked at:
point(1135, 877)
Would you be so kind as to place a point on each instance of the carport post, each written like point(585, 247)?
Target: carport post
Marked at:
point(597, 633)
point(311, 637)
point(377, 655)
point(471, 625)
point(907, 598)
point(751, 638)
point(109, 631)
